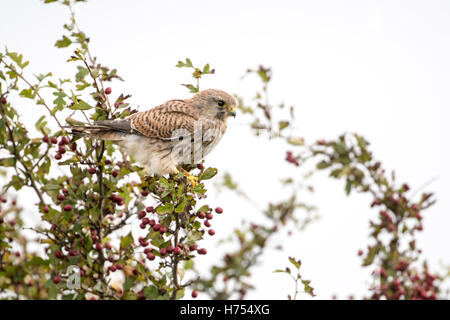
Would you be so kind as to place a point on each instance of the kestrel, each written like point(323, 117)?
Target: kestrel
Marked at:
point(164, 138)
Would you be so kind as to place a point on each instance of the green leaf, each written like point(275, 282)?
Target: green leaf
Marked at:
point(179, 294)
point(80, 105)
point(296, 263)
point(280, 271)
point(208, 174)
point(206, 69)
point(282, 125)
point(296, 141)
point(308, 289)
point(189, 63)
point(151, 292)
point(41, 123)
point(181, 206)
point(323, 165)
point(8, 162)
point(348, 186)
point(204, 208)
point(27, 93)
point(17, 58)
point(166, 208)
point(59, 101)
point(41, 76)
point(126, 241)
point(64, 42)
point(82, 72)
point(192, 88)
point(52, 289)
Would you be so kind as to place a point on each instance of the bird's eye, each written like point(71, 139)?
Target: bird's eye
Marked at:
point(220, 103)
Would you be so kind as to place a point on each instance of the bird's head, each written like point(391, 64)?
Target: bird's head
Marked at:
point(214, 103)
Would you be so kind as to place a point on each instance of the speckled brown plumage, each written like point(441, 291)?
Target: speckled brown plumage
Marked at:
point(160, 122)
point(153, 137)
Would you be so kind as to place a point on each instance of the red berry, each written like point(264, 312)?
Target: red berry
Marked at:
point(192, 247)
point(200, 166)
point(108, 246)
point(108, 90)
point(201, 215)
point(156, 227)
point(65, 191)
point(177, 250)
point(142, 226)
point(3, 100)
point(58, 156)
point(163, 251)
point(391, 227)
point(59, 254)
point(45, 139)
point(57, 279)
point(152, 222)
point(45, 209)
point(73, 146)
point(211, 232)
point(209, 216)
point(60, 197)
point(54, 140)
point(141, 214)
point(144, 193)
point(144, 244)
point(64, 140)
point(207, 223)
point(202, 251)
point(170, 249)
point(150, 209)
point(115, 173)
point(145, 221)
point(219, 210)
point(150, 256)
point(360, 253)
point(112, 268)
point(108, 162)
point(162, 229)
point(92, 170)
point(17, 254)
point(67, 207)
point(194, 294)
point(98, 246)
point(73, 252)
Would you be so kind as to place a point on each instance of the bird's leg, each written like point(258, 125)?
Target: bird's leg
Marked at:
point(193, 179)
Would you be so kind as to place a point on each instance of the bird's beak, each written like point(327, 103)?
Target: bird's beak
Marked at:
point(232, 113)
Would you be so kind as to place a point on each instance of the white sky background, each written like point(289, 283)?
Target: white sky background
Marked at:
point(379, 68)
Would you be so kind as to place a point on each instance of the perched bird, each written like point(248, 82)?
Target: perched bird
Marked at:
point(168, 136)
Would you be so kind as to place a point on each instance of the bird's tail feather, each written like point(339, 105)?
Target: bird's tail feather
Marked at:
point(96, 132)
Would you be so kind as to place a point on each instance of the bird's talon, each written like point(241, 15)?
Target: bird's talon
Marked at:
point(191, 178)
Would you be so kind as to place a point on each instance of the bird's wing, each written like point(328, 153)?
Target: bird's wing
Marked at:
point(161, 122)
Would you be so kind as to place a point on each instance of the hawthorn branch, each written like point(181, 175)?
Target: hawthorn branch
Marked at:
point(28, 173)
point(35, 90)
